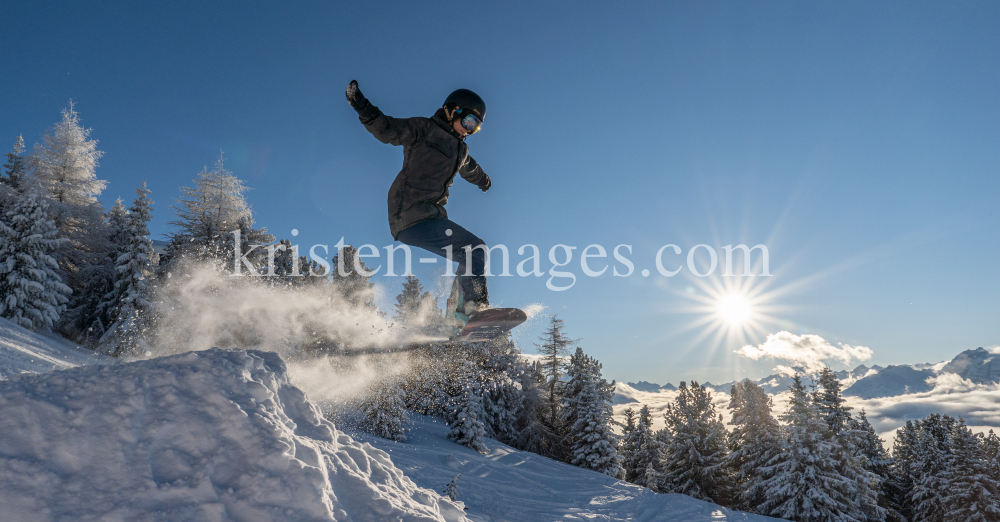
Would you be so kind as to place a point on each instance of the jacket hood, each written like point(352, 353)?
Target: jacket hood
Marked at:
point(440, 119)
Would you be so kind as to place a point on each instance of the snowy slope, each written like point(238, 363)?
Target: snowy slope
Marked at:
point(891, 381)
point(979, 366)
point(214, 435)
point(23, 351)
point(514, 486)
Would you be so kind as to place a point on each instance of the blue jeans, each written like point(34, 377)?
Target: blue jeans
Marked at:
point(434, 235)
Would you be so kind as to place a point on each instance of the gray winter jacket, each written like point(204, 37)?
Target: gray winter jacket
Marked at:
point(432, 154)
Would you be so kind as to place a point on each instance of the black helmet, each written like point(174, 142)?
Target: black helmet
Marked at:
point(468, 100)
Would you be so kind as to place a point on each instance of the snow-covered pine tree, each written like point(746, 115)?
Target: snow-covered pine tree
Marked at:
point(932, 455)
point(14, 181)
point(533, 434)
point(754, 441)
point(832, 409)
point(500, 372)
point(32, 293)
point(803, 481)
point(208, 216)
point(652, 478)
point(451, 489)
point(830, 405)
point(629, 423)
point(131, 299)
point(426, 383)
point(554, 347)
point(383, 410)
point(284, 264)
point(16, 168)
point(350, 284)
point(971, 494)
point(903, 474)
point(588, 405)
point(578, 371)
point(105, 311)
point(64, 165)
point(466, 411)
point(626, 446)
point(644, 450)
point(874, 458)
point(694, 460)
point(991, 451)
point(408, 300)
point(64, 168)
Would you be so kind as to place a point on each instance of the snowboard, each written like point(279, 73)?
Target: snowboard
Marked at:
point(490, 324)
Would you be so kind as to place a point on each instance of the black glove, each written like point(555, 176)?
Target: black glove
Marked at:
point(354, 96)
point(485, 184)
point(366, 111)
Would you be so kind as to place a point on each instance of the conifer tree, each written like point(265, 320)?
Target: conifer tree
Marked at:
point(16, 168)
point(284, 264)
point(693, 462)
point(351, 284)
point(652, 478)
point(466, 411)
point(131, 306)
point(64, 165)
point(754, 441)
point(588, 415)
point(384, 412)
point(875, 459)
point(554, 346)
point(31, 291)
point(105, 309)
point(10, 182)
point(971, 495)
point(931, 456)
point(643, 450)
point(212, 218)
point(833, 410)
point(991, 452)
point(830, 404)
point(626, 445)
point(533, 433)
point(502, 397)
point(803, 483)
point(904, 468)
point(451, 489)
point(408, 301)
point(578, 371)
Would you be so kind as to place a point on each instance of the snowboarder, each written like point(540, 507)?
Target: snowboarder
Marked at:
point(434, 151)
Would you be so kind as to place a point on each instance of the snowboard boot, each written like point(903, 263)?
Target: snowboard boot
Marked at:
point(473, 308)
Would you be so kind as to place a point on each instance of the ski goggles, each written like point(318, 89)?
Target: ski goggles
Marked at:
point(471, 123)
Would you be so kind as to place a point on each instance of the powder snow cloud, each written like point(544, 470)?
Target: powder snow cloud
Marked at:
point(807, 351)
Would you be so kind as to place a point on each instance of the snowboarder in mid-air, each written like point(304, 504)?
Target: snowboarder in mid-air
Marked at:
point(434, 151)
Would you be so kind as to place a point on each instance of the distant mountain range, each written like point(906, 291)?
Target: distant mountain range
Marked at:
point(979, 366)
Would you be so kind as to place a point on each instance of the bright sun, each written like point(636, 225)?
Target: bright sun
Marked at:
point(734, 309)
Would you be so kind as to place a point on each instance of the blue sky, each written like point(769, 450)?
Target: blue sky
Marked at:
point(857, 140)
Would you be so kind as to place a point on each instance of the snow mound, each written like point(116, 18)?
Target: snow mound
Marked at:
point(24, 351)
point(212, 436)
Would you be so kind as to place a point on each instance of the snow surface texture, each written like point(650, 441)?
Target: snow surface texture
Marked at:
point(212, 436)
point(510, 485)
point(23, 351)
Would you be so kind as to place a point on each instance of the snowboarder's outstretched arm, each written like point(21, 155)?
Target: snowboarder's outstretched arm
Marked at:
point(386, 129)
point(474, 174)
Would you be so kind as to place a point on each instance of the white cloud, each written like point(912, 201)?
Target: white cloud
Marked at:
point(807, 351)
